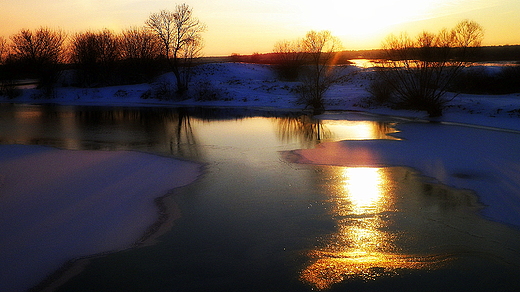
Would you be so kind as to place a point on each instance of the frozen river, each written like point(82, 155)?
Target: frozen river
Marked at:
point(255, 221)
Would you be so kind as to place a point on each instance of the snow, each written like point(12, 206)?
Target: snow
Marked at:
point(474, 145)
point(57, 205)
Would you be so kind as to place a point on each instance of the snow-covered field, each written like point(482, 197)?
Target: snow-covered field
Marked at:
point(476, 148)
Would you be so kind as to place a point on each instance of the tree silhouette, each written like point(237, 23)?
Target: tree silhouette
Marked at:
point(4, 50)
point(140, 50)
point(312, 61)
point(417, 73)
point(96, 54)
point(40, 51)
point(180, 34)
point(320, 49)
point(289, 59)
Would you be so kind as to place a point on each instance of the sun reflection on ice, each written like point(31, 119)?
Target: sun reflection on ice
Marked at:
point(363, 247)
point(364, 189)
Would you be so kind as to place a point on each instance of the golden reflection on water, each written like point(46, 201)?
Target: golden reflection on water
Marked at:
point(363, 247)
point(360, 130)
point(364, 189)
point(310, 131)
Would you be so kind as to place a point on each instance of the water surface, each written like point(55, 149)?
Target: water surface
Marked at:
point(255, 222)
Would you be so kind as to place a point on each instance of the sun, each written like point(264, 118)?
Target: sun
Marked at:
point(365, 19)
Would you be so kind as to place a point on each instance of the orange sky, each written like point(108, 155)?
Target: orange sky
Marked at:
point(247, 26)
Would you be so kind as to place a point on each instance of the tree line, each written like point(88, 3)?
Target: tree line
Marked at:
point(414, 73)
point(169, 41)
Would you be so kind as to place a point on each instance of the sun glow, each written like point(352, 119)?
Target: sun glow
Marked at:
point(362, 248)
point(254, 26)
point(368, 19)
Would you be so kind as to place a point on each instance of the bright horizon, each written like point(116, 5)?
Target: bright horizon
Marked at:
point(250, 26)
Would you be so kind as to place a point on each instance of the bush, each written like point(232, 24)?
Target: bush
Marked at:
point(509, 79)
point(479, 80)
point(40, 52)
point(311, 61)
point(9, 90)
point(96, 55)
point(164, 90)
point(207, 92)
point(420, 71)
point(381, 91)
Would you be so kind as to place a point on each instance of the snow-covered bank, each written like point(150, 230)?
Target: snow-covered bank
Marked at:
point(222, 84)
point(253, 85)
point(57, 205)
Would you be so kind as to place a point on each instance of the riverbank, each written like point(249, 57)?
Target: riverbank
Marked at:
point(77, 203)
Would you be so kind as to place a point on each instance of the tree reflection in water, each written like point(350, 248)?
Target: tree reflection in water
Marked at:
point(183, 141)
point(153, 127)
point(309, 131)
point(171, 131)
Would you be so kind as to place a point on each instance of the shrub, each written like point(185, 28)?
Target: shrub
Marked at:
point(96, 54)
point(207, 92)
point(381, 91)
point(311, 61)
point(164, 90)
point(8, 89)
point(420, 71)
point(479, 80)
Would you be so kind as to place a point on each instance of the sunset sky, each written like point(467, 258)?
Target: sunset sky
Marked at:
point(248, 26)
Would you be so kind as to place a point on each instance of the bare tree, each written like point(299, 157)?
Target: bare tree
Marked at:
point(7, 87)
point(41, 51)
point(468, 34)
point(139, 43)
point(140, 52)
point(310, 60)
point(320, 49)
point(417, 72)
point(96, 54)
point(289, 59)
point(4, 50)
point(41, 46)
point(180, 34)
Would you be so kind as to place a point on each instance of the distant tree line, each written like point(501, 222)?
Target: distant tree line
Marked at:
point(169, 41)
point(481, 54)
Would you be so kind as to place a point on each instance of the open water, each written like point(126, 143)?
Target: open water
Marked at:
point(256, 222)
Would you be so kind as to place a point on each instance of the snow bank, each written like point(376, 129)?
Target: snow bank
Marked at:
point(57, 205)
point(237, 84)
